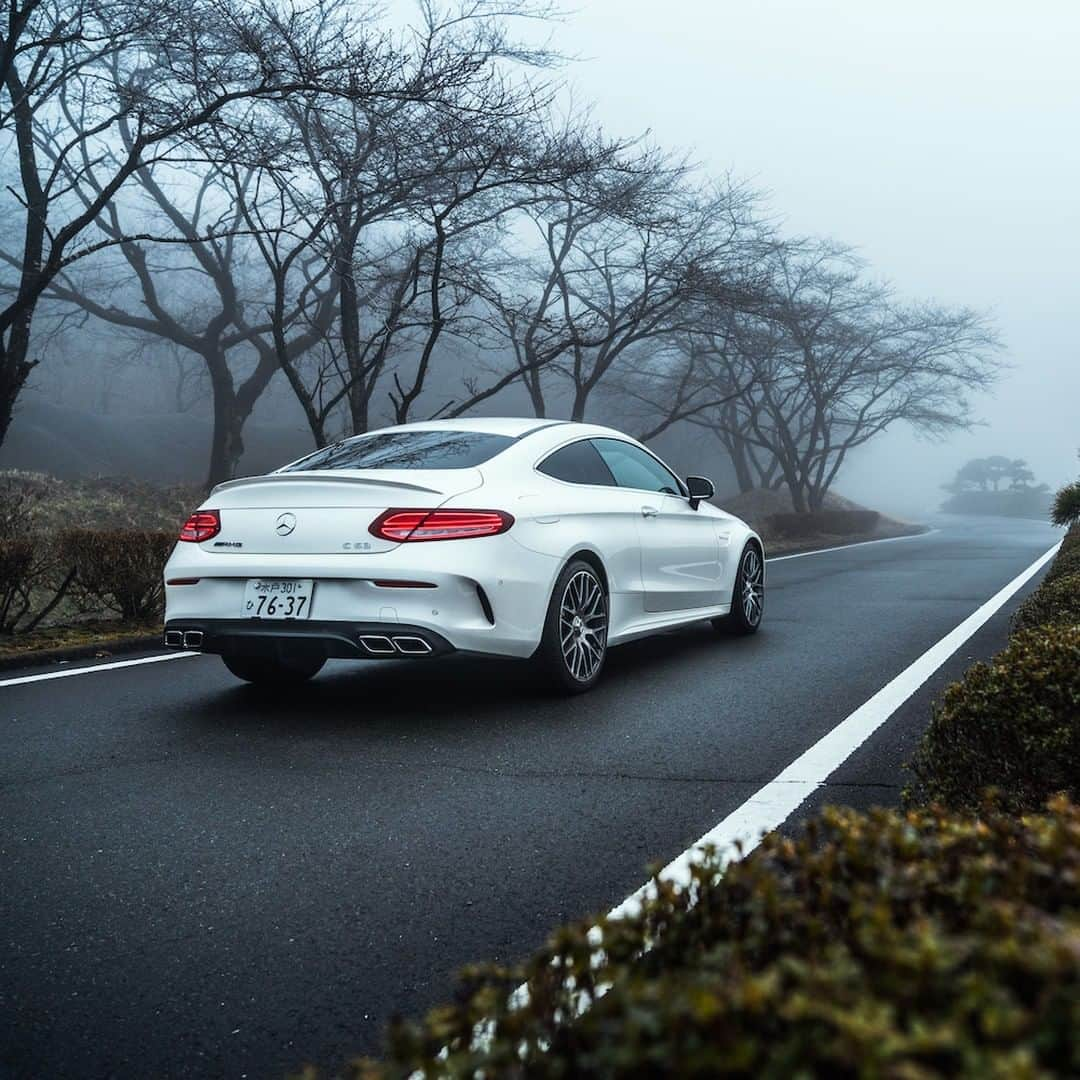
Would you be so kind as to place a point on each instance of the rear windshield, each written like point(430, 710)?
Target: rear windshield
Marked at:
point(407, 450)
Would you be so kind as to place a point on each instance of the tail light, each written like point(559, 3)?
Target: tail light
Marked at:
point(410, 526)
point(202, 525)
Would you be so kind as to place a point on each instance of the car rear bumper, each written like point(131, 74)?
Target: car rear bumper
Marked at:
point(479, 596)
point(343, 640)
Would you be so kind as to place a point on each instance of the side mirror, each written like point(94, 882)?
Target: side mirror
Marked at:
point(699, 487)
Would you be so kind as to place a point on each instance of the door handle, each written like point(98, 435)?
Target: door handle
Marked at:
point(649, 511)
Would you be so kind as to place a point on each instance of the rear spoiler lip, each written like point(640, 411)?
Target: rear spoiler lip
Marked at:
point(324, 477)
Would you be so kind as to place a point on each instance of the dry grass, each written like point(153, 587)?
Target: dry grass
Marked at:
point(100, 633)
point(99, 502)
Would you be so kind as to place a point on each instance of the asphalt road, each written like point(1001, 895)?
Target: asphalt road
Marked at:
point(197, 879)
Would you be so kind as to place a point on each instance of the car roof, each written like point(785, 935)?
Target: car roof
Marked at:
point(514, 426)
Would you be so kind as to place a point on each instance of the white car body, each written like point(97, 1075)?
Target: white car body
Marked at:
point(664, 562)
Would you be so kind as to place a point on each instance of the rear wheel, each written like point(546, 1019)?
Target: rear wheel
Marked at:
point(269, 671)
point(748, 597)
point(574, 646)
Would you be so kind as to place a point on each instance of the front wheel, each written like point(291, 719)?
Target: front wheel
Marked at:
point(748, 596)
point(574, 645)
point(267, 671)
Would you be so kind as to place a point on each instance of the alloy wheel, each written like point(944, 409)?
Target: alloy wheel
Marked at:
point(753, 586)
point(583, 625)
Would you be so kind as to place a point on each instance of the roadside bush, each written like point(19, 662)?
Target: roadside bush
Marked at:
point(1065, 510)
point(828, 522)
point(1065, 563)
point(119, 570)
point(882, 945)
point(1056, 600)
point(1012, 725)
point(31, 582)
point(16, 573)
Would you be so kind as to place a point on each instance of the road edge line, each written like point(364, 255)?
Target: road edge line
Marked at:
point(771, 805)
point(44, 676)
point(847, 547)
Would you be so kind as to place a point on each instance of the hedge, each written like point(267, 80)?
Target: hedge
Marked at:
point(120, 570)
point(881, 945)
point(818, 522)
point(1056, 600)
point(16, 572)
point(1065, 563)
point(1012, 725)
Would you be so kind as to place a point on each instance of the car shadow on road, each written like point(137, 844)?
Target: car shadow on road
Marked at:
point(371, 696)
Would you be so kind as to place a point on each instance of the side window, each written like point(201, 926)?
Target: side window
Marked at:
point(633, 468)
point(578, 463)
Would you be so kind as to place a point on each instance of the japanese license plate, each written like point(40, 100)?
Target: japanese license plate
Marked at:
point(278, 598)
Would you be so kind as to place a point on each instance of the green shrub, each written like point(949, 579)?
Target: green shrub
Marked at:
point(818, 522)
point(119, 570)
point(1056, 600)
point(1071, 541)
point(1065, 563)
point(1065, 510)
point(1012, 725)
point(878, 945)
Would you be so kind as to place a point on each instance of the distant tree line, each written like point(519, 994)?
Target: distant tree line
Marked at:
point(997, 485)
point(297, 191)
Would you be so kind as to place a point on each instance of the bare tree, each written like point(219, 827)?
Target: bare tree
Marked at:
point(625, 255)
point(408, 190)
point(203, 308)
point(166, 72)
point(302, 213)
point(837, 360)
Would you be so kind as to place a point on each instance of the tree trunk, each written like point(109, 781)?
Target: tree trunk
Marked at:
point(581, 397)
point(536, 393)
point(226, 440)
point(14, 371)
point(737, 452)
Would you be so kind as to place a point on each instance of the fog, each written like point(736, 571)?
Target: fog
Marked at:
point(939, 138)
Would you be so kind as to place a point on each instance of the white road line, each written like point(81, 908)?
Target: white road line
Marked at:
point(68, 672)
point(846, 547)
point(770, 806)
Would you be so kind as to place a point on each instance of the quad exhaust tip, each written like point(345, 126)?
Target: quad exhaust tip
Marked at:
point(183, 639)
point(378, 644)
point(410, 645)
point(384, 645)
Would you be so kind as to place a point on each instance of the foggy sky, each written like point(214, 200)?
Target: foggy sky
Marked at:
point(941, 139)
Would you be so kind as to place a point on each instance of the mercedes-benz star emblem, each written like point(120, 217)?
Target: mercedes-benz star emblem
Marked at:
point(285, 524)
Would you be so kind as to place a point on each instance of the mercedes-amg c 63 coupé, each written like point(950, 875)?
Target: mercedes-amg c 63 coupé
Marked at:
point(501, 537)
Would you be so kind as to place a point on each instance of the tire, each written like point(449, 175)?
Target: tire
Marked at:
point(748, 596)
point(268, 671)
point(574, 644)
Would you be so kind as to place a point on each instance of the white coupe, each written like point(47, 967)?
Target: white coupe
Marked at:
point(501, 537)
